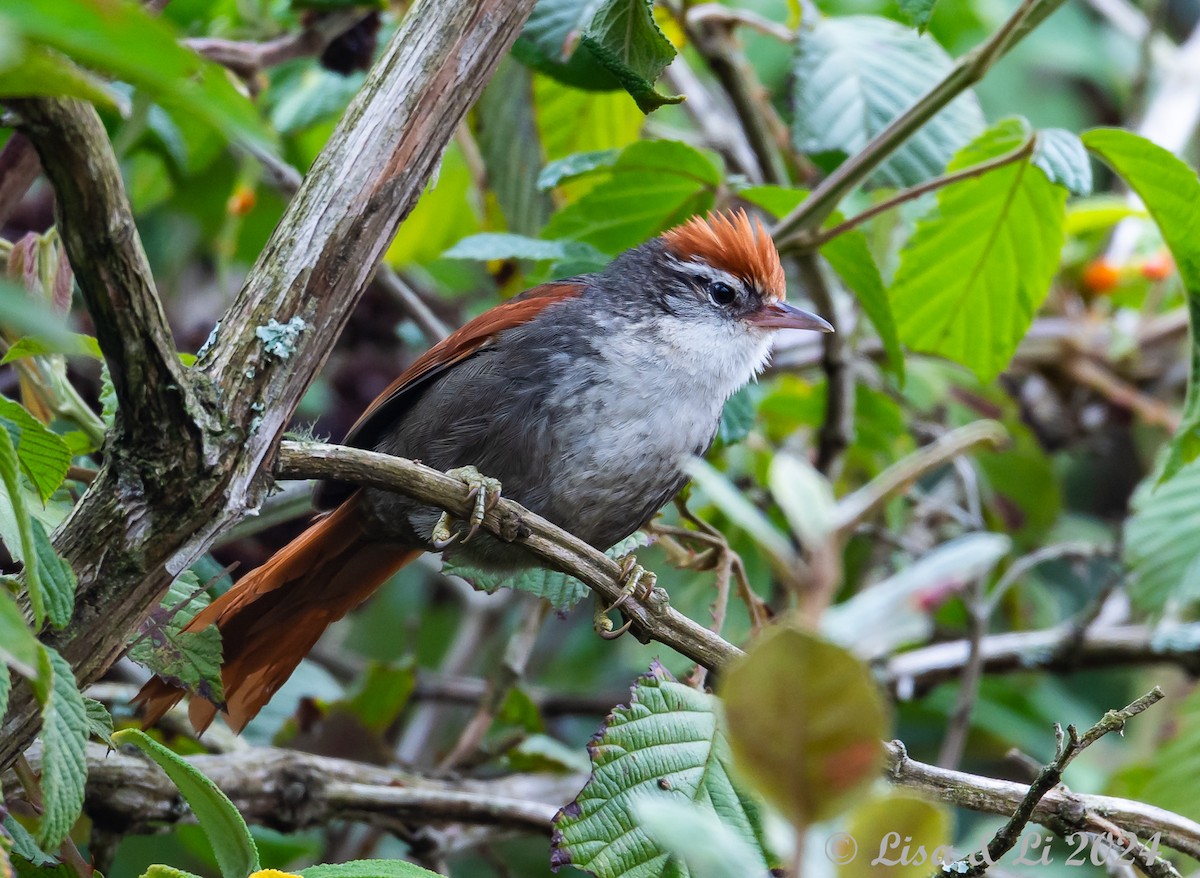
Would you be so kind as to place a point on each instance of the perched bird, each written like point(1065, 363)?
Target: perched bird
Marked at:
point(582, 397)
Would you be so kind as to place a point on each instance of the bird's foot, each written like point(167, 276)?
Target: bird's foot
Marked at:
point(484, 491)
point(636, 582)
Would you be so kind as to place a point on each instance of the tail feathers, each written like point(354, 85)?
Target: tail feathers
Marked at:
point(274, 615)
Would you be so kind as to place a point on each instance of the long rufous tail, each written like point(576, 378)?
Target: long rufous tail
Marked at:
point(274, 615)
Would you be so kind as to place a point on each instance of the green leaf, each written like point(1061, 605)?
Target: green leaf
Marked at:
point(805, 497)
point(25, 845)
point(19, 648)
point(64, 751)
point(5, 686)
point(368, 869)
point(122, 39)
point(737, 417)
point(56, 577)
point(1171, 191)
point(980, 264)
point(501, 245)
point(70, 343)
point(809, 741)
point(695, 837)
point(38, 71)
point(550, 43)
point(1061, 154)
point(570, 121)
point(381, 693)
point(1160, 549)
point(917, 12)
point(160, 871)
point(576, 165)
point(233, 847)
point(561, 590)
point(626, 40)
point(188, 659)
point(508, 142)
point(655, 184)
point(43, 456)
point(99, 720)
point(668, 744)
point(722, 493)
point(850, 257)
point(24, 315)
point(854, 74)
point(26, 551)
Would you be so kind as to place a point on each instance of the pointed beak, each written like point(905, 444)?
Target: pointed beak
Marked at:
point(781, 315)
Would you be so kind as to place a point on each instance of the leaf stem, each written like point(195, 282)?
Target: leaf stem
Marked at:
point(811, 240)
point(969, 69)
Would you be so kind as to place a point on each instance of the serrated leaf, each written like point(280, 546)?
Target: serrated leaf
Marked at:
point(1160, 549)
point(124, 40)
point(980, 264)
point(108, 397)
point(1061, 154)
point(64, 747)
point(25, 550)
point(849, 256)
point(56, 577)
point(43, 456)
point(549, 43)
point(917, 12)
point(189, 659)
point(1171, 191)
point(809, 741)
point(669, 743)
point(854, 74)
point(655, 184)
point(233, 847)
point(574, 166)
point(368, 869)
point(158, 870)
point(99, 720)
point(625, 39)
point(25, 845)
point(69, 343)
point(501, 245)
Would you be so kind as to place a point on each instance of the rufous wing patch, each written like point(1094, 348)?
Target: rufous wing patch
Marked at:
point(735, 242)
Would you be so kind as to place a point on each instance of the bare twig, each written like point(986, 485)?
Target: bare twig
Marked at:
point(913, 673)
point(555, 548)
point(1057, 808)
point(1070, 746)
point(247, 59)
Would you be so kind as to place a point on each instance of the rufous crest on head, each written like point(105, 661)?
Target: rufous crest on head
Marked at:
point(735, 242)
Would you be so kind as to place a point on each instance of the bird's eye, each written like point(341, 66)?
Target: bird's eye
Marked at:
point(721, 293)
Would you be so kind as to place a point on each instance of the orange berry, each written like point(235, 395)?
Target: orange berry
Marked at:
point(1100, 276)
point(1158, 266)
point(242, 201)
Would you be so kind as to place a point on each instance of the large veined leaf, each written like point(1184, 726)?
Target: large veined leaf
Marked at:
point(1160, 540)
point(122, 39)
point(570, 121)
point(550, 43)
point(233, 847)
point(980, 264)
point(855, 74)
point(805, 722)
point(43, 456)
point(669, 743)
point(64, 739)
point(188, 659)
point(1171, 192)
point(1061, 154)
point(655, 184)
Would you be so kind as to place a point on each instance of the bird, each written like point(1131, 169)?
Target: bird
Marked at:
point(581, 399)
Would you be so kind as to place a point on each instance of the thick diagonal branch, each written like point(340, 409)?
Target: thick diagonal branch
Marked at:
point(142, 522)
